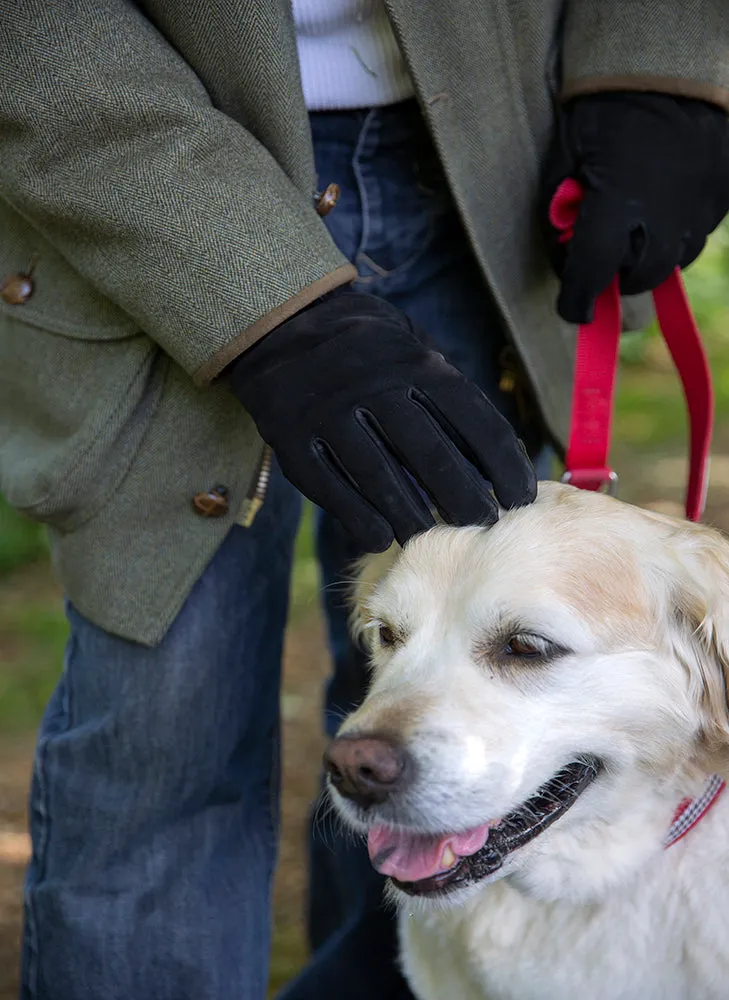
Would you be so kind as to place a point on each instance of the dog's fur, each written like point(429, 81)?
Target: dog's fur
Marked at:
point(594, 907)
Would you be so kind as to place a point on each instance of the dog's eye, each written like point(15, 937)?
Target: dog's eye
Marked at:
point(387, 636)
point(526, 645)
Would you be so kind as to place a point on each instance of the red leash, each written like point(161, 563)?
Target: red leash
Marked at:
point(596, 367)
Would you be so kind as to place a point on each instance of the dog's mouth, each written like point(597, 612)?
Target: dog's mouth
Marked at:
point(428, 865)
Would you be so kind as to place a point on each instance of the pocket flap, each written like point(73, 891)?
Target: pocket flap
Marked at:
point(62, 301)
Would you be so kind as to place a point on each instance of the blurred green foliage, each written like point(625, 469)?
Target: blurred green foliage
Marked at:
point(707, 282)
point(651, 413)
point(21, 540)
point(32, 636)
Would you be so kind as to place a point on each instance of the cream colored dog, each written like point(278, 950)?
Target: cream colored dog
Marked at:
point(545, 693)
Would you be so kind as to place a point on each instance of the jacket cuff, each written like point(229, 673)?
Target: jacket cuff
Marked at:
point(672, 46)
point(343, 275)
point(676, 86)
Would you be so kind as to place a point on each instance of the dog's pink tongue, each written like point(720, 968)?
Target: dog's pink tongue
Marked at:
point(410, 857)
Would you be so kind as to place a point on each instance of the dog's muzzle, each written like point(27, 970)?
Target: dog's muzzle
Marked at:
point(517, 828)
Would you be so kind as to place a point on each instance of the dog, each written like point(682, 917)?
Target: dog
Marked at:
point(538, 764)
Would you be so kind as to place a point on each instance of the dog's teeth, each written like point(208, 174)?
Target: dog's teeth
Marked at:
point(449, 858)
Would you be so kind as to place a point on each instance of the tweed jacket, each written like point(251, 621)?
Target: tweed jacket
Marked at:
point(157, 217)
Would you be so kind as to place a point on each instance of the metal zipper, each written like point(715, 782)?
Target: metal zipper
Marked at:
point(254, 500)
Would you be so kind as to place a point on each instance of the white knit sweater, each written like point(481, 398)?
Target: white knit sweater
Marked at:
point(349, 56)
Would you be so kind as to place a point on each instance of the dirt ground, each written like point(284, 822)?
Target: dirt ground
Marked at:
point(657, 484)
point(13, 854)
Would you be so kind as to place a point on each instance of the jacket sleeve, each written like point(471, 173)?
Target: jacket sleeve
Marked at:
point(111, 148)
point(674, 46)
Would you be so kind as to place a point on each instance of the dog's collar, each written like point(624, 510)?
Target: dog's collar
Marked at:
point(690, 811)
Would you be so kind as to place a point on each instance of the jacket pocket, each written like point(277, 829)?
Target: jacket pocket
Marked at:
point(79, 383)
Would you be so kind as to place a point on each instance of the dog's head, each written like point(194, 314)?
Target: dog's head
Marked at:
point(543, 693)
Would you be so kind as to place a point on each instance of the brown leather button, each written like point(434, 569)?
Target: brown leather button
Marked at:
point(214, 503)
point(17, 289)
point(327, 199)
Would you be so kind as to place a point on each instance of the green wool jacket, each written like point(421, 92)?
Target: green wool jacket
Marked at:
point(157, 178)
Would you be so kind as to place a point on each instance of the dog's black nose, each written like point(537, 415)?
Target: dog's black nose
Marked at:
point(367, 768)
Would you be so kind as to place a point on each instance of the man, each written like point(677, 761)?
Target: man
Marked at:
point(170, 285)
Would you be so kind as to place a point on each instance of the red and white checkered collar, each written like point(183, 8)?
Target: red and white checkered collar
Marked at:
point(690, 811)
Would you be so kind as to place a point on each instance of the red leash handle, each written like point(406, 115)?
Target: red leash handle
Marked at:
point(596, 365)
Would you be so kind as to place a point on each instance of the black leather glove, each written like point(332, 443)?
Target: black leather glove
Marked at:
point(656, 172)
point(351, 401)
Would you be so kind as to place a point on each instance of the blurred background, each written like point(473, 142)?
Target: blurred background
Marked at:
point(649, 453)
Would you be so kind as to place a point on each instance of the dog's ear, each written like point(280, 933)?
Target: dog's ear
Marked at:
point(367, 574)
point(701, 601)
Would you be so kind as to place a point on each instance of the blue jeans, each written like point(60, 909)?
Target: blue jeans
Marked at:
point(155, 787)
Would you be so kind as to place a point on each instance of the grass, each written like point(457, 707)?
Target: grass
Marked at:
point(32, 637)
point(21, 540)
point(650, 413)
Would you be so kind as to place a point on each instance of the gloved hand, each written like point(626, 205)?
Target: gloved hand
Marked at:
point(656, 173)
point(349, 398)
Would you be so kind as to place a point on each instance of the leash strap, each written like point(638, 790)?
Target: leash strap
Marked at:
point(593, 397)
point(596, 366)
